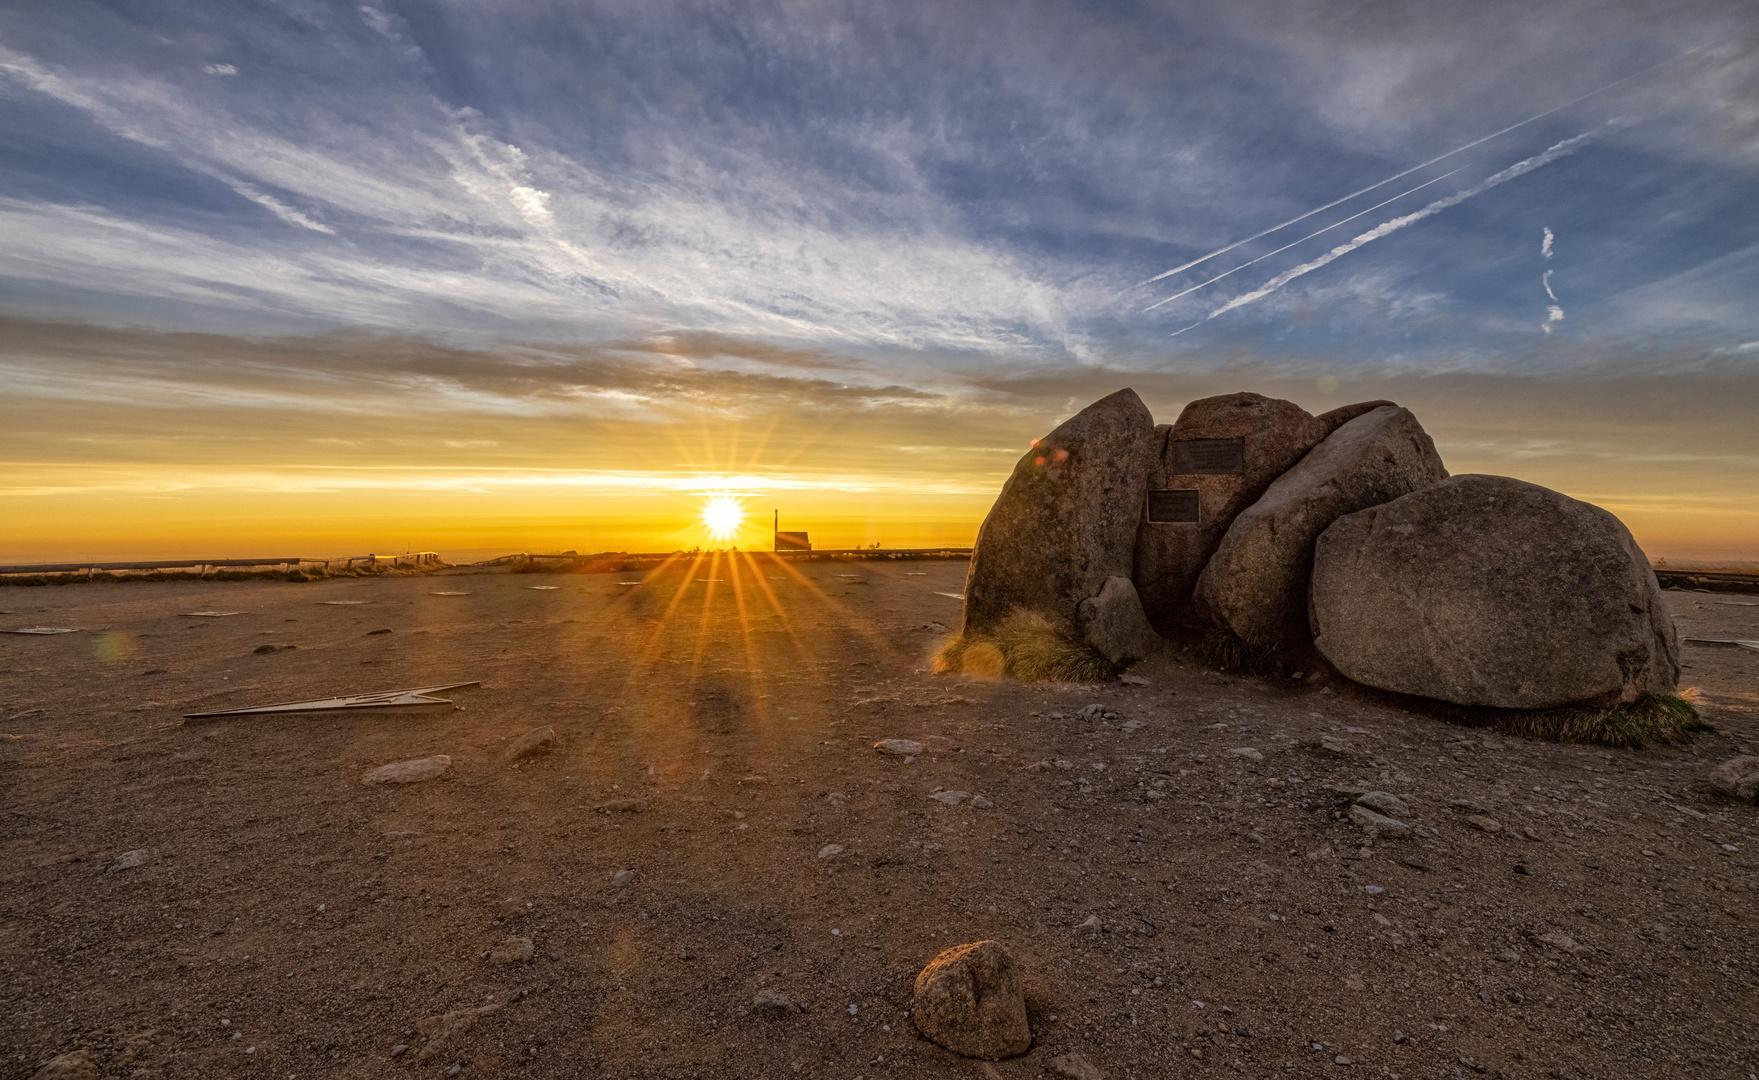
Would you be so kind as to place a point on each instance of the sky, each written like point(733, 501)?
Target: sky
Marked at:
point(303, 278)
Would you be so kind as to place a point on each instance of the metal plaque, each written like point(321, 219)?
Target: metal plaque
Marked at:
point(1174, 506)
point(1209, 456)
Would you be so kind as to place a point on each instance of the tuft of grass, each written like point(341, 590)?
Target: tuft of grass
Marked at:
point(1669, 719)
point(1026, 647)
point(1223, 651)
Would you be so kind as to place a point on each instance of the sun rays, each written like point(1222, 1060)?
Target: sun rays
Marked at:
point(722, 515)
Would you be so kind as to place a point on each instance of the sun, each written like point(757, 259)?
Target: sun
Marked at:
point(723, 514)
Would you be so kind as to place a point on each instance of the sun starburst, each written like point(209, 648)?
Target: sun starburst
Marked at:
point(722, 515)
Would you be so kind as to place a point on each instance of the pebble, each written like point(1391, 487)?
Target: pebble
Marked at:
point(1484, 823)
point(413, 771)
point(1382, 802)
point(1738, 777)
point(128, 860)
point(399, 1050)
point(1092, 923)
point(1378, 824)
point(982, 803)
point(1132, 680)
point(535, 741)
point(261, 650)
point(774, 1003)
point(1341, 1060)
point(1075, 1066)
point(1562, 941)
point(515, 950)
point(622, 877)
point(830, 849)
point(1330, 744)
point(951, 798)
point(898, 747)
point(1247, 752)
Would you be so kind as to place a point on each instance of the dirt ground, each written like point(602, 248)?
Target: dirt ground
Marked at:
point(714, 739)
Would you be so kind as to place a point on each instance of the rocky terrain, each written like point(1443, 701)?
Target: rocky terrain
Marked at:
point(709, 871)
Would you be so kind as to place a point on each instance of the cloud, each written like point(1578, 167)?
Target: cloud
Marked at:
point(219, 69)
point(281, 210)
point(1545, 244)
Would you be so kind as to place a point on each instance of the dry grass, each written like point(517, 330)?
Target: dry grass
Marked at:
point(1224, 651)
point(1026, 647)
point(1667, 719)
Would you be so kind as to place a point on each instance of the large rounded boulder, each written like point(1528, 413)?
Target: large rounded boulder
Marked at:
point(1211, 463)
point(1256, 582)
point(1065, 521)
point(1482, 590)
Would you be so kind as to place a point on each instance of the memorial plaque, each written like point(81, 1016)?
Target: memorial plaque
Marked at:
point(1209, 456)
point(1173, 506)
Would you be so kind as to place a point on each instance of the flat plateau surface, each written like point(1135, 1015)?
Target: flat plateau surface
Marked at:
point(712, 821)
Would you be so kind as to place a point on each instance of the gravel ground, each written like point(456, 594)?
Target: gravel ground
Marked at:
point(1172, 863)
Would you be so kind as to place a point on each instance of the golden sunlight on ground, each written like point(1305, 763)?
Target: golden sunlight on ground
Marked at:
point(723, 514)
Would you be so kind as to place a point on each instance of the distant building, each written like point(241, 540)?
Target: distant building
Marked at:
point(789, 541)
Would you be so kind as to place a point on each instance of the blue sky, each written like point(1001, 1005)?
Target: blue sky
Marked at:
point(945, 199)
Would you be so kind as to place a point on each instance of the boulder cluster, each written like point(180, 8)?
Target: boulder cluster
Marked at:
point(1291, 533)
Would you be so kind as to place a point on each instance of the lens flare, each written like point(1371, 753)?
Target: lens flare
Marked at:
point(723, 514)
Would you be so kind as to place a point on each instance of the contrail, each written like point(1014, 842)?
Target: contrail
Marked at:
point(1519, 168)
point(1415, 168)
point(1303, 240)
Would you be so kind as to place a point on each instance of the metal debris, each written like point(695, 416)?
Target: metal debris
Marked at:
point(418, 699)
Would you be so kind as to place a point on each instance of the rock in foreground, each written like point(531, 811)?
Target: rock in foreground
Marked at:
point(412, 771)
point(1256, 584)
point(971, 1000)
point(1483, 590)
point(1738, 777)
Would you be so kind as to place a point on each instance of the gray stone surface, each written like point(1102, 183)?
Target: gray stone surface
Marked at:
point(1343, 414)
point(971, 1000)
point(535, 741)
point(1384, 802)
point(1738, 777)
point(1065, 520)
point(1256, 583)
point(1114, 624)
point(1274, 435)
point(1378, 824)
point(1483, 590)
point(413, 771)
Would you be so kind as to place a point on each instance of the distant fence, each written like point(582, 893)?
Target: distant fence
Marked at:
point(201, 568)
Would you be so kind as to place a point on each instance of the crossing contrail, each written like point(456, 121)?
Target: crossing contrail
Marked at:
point(1303, 240)
point(1519, 168)
point(1414, 168)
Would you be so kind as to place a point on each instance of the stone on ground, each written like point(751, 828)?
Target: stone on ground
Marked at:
point(1273, 434)
point(1737, 777)
point(899, 747)
point(1076, 1067)
point(74, 1065)
point(1065, 520)
point(514, 950)
point(535, 741)
point(1384, 802)
point(1256, 583)
point(774, 1004)
point(1114, 624)
point(972, 1000)
point(1482, 590)
point(128, 860)
point(412, 771)
point(1378, 824)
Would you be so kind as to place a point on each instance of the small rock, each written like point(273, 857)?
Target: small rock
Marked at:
point(951, 798)
point(1341, 1060)
point(774, 1004)
point(1400, 1037)
point(1738, 777)
point(830, 849)
point(412, 771)
point(939, 744)
point(128, 860)
point(376, 633)
point(981, 803)
point(1092, 923)
point(1075, 1066)
point(515, 950)
point(1247, 752)
point(1563, 942)
point(1484, 823)
point(1508, 956)
point(439, 1029)
point(399, 1050)
point(1469, 806)
point(74, 1065)
point(621, 806)
point(262, 650)
point(1382, 802)
point(1331, 744)
point(753, 781)
point(899, 747)
point(1132, 680)
point(1415, 862)
point(622, 877)
point(971, 1000)
point(535, 741)
point(1378, 824)
point(1351, 791)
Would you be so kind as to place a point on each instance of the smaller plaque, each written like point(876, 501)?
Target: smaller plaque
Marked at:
point(1173, 506)
point(1209, 456)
